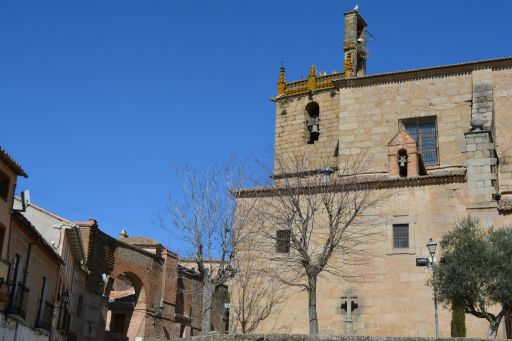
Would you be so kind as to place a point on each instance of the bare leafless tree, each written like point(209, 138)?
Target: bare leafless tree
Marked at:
point(254, 293)
point(312, 221)
point(204, 218)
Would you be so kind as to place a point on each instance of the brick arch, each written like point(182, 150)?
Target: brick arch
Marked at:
point(138, 314)
point(155, 272)
point(141, 278)
point(146, 272)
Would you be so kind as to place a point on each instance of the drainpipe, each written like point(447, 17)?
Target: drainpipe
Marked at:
point(54, 327)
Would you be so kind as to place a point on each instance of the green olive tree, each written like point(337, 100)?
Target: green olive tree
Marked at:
point(476, 269)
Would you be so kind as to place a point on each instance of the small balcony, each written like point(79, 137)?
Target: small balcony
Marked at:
point(45, 319)
point(19, 300)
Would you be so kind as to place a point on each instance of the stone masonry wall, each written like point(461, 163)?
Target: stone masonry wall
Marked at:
point(393, 298)
point(370, 116)
point(363, 117)
point(291, 131)
point(502, 85)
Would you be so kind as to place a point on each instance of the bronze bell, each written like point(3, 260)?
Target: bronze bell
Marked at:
point(314, 129)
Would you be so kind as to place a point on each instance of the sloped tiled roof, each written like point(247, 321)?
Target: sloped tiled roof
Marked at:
point(31, 228)
point(15, 166)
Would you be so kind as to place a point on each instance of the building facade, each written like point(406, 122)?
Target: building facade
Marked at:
point(81, 309)
point(34, 272)
point(148, 294)
point(29, 267)
point(9, 172)
point(435, 140)
point(66, 280)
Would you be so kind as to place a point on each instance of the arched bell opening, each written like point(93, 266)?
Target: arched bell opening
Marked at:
point(402, 163)
point(126, 308)
point(313, 122)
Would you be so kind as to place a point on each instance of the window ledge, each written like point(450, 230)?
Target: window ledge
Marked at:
point(42, 331)
point(401, 251)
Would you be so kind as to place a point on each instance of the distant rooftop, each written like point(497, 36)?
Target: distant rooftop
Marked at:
point(140, 241)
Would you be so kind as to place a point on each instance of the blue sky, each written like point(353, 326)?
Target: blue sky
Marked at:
point(101, 100)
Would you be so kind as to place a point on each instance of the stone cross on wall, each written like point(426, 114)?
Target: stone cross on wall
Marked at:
point(349, 304)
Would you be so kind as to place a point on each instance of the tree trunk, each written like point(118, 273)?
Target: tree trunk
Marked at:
point(458, 324)
point(493, 327)
point(313, 319)
point(208, 290)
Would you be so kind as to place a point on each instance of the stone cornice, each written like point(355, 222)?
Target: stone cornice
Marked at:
point(432, 72)
point(371, 182)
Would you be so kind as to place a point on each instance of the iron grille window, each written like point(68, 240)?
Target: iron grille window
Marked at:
point(79, 306)
point(19, 300)
point(45, 320)
point(424, 131)
point(283, 241)
point(400, 236)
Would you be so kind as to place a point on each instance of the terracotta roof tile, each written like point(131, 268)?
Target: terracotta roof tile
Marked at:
point(15, 166)
point(140, 241)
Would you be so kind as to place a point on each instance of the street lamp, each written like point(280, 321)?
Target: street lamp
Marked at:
point(431, 246)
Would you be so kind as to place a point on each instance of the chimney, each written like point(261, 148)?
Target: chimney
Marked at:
point(354, 45)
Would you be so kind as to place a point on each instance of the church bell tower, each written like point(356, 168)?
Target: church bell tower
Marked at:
point(354, 45)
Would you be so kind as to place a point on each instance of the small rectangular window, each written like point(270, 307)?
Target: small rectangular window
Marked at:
point(401, 236)
point(5, 182)
point(283, 241)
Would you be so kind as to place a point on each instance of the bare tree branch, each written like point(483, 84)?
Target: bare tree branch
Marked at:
point(254, 294)
point(204, 218)
point(323, 208)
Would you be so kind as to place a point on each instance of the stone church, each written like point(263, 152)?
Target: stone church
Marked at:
point(438, 138)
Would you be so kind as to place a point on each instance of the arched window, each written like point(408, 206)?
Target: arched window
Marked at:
point(313, 122)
